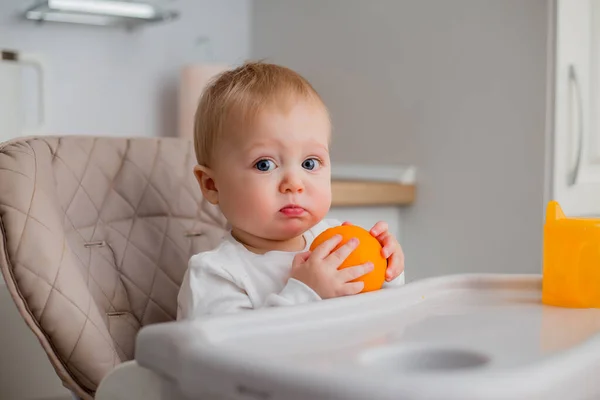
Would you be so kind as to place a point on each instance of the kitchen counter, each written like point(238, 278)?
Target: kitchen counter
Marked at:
point(369, 185)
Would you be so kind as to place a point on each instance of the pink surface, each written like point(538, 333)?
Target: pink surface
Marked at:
point(193, 80)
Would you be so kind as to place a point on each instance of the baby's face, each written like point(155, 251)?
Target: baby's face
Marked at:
point(273, 176)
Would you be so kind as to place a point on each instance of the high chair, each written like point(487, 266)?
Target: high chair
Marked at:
point(96, 236)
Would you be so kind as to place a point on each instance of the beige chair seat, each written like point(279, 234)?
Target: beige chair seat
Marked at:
point(96, 236)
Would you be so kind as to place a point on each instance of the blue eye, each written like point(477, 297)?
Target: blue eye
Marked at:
point(264, 165)
point(311, 164)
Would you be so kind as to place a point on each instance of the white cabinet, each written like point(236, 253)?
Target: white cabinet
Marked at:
point(576, 118)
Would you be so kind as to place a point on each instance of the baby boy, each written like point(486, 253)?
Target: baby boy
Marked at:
point(262, 137)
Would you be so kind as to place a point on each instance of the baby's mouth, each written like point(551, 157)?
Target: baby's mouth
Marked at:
point(292, 210)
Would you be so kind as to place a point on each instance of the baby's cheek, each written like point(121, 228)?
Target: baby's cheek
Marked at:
point(246, 203)
point(322, 205)
point(321, 193)
point(254, 203)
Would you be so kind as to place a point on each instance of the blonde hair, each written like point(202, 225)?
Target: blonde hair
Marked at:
point(243, 92)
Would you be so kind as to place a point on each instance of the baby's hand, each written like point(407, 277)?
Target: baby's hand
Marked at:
point(392, 250)
point(319, 269)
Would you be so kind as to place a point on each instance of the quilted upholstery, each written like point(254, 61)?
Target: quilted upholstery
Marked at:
point(96, 235)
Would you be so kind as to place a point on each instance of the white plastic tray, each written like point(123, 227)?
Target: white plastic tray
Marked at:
point(457, 337)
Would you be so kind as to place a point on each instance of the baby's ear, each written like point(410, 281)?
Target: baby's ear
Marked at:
point(205, 177)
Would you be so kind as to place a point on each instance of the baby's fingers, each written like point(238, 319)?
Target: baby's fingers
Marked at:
point(395, 266)
point(379, 228)
point(352, 273)
point(351, 288)
point(389, 244)
point(337, 257)
point(301, 257)
point(323, 250)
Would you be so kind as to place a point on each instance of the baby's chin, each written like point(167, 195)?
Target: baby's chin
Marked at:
point(290, 230)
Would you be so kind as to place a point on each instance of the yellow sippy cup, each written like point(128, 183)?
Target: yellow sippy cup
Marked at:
point(571, 265)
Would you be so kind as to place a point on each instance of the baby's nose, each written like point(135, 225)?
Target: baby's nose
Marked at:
point(292, 183)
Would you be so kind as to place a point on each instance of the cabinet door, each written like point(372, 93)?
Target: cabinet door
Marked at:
point(576, 162)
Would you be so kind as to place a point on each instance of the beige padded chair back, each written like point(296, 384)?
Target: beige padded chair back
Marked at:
point(96, 234)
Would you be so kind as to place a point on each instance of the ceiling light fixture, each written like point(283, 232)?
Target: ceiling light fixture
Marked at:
point(98, 12)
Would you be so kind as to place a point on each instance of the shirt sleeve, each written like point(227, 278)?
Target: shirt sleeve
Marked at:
point(294, 292)
point(211, 290)
point(399, 281)
point(207, 291)
point(331, 222)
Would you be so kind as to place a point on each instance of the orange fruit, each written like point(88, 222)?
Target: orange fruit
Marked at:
point(368, 249)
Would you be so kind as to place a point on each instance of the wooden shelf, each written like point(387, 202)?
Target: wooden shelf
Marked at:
point(371, 193)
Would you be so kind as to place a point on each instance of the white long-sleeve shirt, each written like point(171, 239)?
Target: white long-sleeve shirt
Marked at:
point(231, 278)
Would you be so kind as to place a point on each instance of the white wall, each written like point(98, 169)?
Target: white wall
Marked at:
point(456, 88)
point(109, 81)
